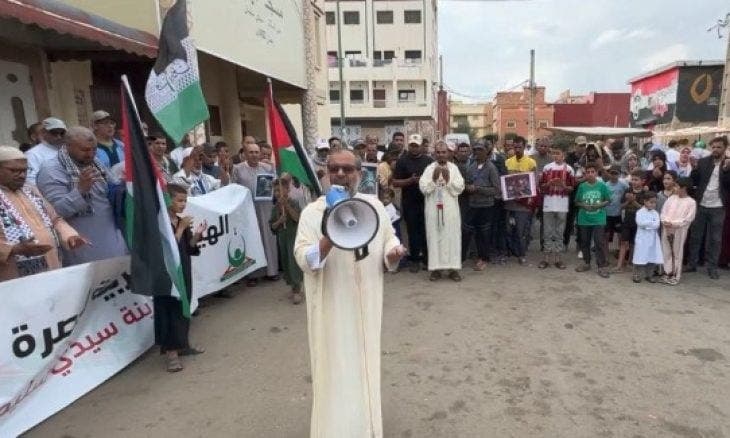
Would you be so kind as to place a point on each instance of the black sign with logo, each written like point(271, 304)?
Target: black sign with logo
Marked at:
point(698, 93)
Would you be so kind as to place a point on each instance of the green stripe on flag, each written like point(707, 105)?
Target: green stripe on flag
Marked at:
point(291, 164)
point(188, 109)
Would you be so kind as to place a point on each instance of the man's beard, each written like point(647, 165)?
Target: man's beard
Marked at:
point(353, 190)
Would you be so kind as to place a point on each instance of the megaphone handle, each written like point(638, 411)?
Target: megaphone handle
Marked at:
point(361, 253)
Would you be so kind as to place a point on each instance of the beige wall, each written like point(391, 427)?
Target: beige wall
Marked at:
point(68, 91)
point(138, 14)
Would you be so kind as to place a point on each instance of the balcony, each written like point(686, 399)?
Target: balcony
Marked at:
point(364, 69)
point(382, 108)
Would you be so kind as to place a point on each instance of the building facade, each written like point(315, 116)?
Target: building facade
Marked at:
point(678, 95)
point(594, 109)
point(511, 111)
point(390, 60)
point(473, 119)
point(69, 61)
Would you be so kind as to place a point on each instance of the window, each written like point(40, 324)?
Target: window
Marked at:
point(329, 17)
point(352, 53)
point(214, 125)
point(406, 95)
point(383, 57)
point(412, 17)
point(335, 96)
point(357, 96)
point(511, 124)
point(332, 59)
point(413, 56)
point(351, 17)
point(543, 123)
point(384, 17)
point(379, 99)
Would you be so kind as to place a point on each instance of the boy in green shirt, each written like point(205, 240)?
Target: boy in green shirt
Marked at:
point(591, 200)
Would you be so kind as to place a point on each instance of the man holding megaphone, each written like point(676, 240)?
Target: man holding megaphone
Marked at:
point(342, 242)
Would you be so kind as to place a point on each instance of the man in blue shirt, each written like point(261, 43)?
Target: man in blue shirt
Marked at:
point(109, 150)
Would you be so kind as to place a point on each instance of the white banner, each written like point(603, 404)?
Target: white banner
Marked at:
point(64, 332)
point(231, 246)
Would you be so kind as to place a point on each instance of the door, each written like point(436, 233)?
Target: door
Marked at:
point(17, 104)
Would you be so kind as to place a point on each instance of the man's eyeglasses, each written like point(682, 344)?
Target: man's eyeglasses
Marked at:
point(347, 170)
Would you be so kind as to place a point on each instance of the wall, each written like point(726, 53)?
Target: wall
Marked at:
point(68, 92)
point(605, 109)
point(138, 14)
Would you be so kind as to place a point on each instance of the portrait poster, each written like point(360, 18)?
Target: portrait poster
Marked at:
point(264, 187)
point(369, 179)
point(518, 186)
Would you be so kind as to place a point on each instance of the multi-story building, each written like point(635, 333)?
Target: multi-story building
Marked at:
point(474, 119)
point(511, 113)
point(65, 58)
point(593, 109)
point(390, 64)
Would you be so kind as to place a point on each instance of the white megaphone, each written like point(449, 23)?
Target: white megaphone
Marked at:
point(349, 223)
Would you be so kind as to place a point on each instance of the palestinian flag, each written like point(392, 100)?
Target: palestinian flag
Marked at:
point(289, 154)
point(173, 91)
point(156, 267)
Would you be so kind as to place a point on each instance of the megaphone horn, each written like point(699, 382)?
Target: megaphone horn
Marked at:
point(351, 225)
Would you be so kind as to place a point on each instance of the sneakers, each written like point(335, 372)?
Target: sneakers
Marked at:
point(297, 298)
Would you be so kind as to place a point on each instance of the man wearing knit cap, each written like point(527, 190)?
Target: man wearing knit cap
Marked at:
point(29, 226)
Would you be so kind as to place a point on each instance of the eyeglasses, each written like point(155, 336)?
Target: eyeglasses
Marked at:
point(347, 170)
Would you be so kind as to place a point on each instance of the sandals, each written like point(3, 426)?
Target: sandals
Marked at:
point(174, 364)
point(543, 264)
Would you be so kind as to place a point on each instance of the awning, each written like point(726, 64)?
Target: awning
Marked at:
point(695, 130)
point(600, 131)
point(65, 19)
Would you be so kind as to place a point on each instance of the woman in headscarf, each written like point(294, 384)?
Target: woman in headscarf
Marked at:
point(684, 165)
point(655, 176)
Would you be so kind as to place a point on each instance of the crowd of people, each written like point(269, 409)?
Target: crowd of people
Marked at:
point(663, 209)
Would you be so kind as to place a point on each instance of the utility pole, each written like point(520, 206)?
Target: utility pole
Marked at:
point(531, 113)
point(340, 61)
point(724, 113)
point(309, 99)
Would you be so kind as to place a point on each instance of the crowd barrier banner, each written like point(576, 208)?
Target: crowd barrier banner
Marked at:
point(231, 246)
point(64, 332)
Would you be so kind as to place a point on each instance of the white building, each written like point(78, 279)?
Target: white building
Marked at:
point(390, 67)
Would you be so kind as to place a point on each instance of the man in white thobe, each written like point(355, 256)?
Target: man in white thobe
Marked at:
point(441, 184)
point(344, 312)
point(245, 174)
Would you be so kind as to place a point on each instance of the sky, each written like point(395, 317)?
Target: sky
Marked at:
point(581, 45)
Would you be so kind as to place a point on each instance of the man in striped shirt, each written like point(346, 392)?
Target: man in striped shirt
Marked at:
point(556, 183)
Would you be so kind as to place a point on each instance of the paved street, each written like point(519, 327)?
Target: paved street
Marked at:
point(509, 352)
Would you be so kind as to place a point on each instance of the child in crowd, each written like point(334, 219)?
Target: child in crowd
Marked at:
point(676, 217)
point(670, 181)
point(591, 199)
point(630, 203)
point(647, 245)
point(171, 326)
point(613, 210)
point(387, 199)
point(556, 183)
point(283, 222)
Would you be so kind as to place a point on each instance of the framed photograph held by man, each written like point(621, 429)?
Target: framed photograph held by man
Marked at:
point(518, 186)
